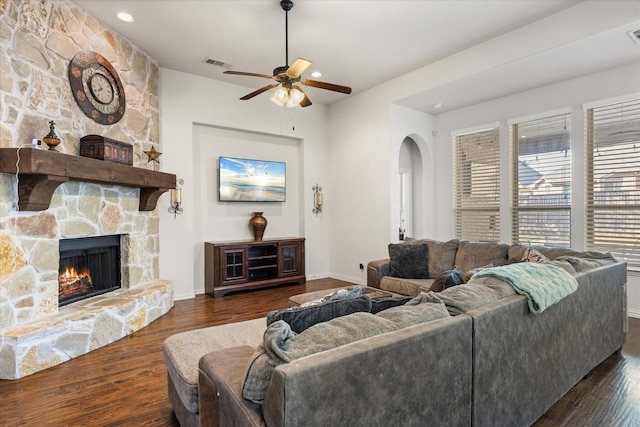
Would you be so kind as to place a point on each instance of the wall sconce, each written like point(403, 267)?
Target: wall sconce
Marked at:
point(176, 199)
point(317, 199)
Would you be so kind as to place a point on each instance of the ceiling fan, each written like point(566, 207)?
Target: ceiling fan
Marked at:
point(289, 93)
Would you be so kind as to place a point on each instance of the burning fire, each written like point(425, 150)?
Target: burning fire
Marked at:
point(72, 282)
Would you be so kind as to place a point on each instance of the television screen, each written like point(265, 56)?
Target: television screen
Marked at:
point(245, 180)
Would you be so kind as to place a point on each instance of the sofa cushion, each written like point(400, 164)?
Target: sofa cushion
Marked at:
point(302, 317)
point(582, 264)
point(462, 298)
point(447, 279)
point(555, 253)
point(565, 265)
point(409, 261)
point(442, 255)
point(281, 345)
point(472, 255)
point(411, 287)
point(516, 252)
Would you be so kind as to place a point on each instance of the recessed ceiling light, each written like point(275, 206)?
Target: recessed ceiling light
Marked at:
point(125, 17)
point(316, 74)
point(437, 106)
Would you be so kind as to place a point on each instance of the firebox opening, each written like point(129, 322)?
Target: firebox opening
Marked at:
point(89, 266)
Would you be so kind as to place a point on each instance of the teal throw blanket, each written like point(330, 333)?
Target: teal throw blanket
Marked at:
point(542, 284)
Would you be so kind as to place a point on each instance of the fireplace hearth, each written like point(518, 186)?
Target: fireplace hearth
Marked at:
point(89, 266)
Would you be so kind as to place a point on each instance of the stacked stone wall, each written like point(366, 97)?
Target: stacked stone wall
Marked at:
point(38, 39)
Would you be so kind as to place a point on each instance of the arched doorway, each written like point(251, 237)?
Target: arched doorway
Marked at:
point(410, 181)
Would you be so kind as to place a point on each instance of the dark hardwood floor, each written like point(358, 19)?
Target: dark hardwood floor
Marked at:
point(124, 383)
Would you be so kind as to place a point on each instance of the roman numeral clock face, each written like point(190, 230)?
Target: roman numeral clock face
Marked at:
point(96, 87)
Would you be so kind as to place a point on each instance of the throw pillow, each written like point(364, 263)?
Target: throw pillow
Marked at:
point(533, 255)
point(382, 303)
point(447, 279)
point(442, 255)
point(262, 363)
point(303, 317)
point(424, 308)
point(341, 294)
point(470, 273)
point(409, 261)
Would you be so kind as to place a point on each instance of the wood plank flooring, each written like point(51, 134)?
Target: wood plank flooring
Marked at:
point(124, 383)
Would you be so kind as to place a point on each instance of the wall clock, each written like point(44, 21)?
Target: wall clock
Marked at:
point(96, 87)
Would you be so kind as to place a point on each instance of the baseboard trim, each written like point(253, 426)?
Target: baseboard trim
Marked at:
point(354, 280)
point(634, 313)
point(184, 296)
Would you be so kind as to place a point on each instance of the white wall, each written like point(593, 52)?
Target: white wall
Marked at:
point(620, 81)
point(224, 221)
point(351, 149)
point(189, 102)
point(366, 130)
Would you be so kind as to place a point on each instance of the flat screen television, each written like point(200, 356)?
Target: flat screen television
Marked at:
point(246, 180)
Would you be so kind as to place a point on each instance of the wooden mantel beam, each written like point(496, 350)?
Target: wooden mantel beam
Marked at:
point(40, 172)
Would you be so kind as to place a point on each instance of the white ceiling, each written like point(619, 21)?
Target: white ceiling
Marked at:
point(356, 43)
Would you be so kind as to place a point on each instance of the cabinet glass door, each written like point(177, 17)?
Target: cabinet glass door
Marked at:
point(234, 264)
point(290, 258)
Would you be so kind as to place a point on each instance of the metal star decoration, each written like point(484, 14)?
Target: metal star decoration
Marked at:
point(153, 155)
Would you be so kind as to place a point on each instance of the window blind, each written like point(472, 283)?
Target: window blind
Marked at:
point(477, 185)
point(541, 211)
point(613, 179)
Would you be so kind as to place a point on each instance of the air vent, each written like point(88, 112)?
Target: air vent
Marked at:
point(216, 62)
point(635, 35)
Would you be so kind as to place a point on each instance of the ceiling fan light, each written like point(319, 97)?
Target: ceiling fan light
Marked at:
point(295, 97)
point(281, 96)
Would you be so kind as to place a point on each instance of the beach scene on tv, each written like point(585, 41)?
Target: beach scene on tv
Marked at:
point(245, 180)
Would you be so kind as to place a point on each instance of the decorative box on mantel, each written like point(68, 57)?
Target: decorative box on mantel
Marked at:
point(103, 148)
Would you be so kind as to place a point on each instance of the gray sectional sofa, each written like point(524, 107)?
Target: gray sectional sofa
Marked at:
point(487, 361)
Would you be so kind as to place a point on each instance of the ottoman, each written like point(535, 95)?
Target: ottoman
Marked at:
point(182, 353)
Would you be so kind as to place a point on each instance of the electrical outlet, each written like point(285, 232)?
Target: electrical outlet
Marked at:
point(361, 266)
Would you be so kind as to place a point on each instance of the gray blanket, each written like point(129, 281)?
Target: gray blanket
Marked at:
point(542, 284)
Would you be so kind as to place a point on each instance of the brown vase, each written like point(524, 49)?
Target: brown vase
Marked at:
point(257, 223)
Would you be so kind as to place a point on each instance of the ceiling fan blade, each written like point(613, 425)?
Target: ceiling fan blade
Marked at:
point(298, 67)
point(305, 101)
point(242, 73)
point(328, 86)
point(259, 91)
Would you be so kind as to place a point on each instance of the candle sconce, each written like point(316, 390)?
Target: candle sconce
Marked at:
point(176, 199)
point(317, 199)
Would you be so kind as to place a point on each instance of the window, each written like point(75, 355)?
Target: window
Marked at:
point(613, 179)
point(541, 211)
point(477, 185)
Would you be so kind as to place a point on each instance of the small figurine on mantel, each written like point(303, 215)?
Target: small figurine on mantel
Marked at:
point(153, 155)
point(52, 140)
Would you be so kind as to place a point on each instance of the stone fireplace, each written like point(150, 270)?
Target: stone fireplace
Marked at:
point(37, 42)
point(36, 333)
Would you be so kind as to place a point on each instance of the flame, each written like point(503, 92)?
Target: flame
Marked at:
point(72, 282)
point(71, 275)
